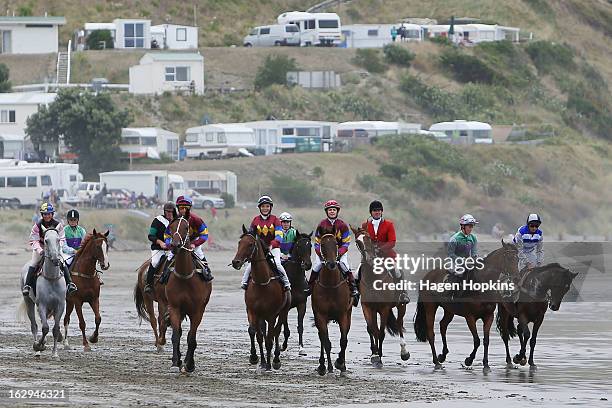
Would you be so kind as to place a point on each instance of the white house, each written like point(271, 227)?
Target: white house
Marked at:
point(29, 35)
point(376, 35)
point(149, 142)
point(465, 132)
point(175, 37)
point(16, 108)
point(132, 33)
point(159, 72)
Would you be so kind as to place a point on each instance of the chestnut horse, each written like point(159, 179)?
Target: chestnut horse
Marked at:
point(476, 305)
point(265, 299)
point(187, 295)
point(144, 302)
point(545, 287)
point(94, 250)
point(331, 300)
point(382, 307)
point(299, 262)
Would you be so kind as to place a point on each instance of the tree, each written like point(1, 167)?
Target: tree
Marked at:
point(89, 124)
point(274, 71)
point(96, 38)
point(5, 84)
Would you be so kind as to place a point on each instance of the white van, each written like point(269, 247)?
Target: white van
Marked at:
point(320, 29)
point(24, 187)
point(273, 35)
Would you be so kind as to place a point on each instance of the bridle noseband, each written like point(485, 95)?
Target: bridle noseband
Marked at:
point(183, 240)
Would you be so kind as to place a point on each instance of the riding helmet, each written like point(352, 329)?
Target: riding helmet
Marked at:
point(331, 204)
point(376, 205)
point(468, 219)
point(534, 219)
point(264, 199)
point(47, 208)
point(73, 214)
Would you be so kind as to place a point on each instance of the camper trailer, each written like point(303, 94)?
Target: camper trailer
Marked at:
point(149, 142)
point(322, 29)
point(351, 134)
point(219, 140)
point(287, 136)
point(465, 132)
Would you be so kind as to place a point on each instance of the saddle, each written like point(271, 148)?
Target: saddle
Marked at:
point(200, 267)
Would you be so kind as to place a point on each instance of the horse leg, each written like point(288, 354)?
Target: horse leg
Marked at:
point(523, 330)
point(95, 306)
point(430, 316)
point(486, 328)
point(177, 332)
point(153, 321)
point(162, 309)
point(532, 343)
point(504, 317)
point(301, 309)
point(471, 322)
point(381, 332)
point(42, 312)
point(401, 312)
point(446, 319)
point(32, 316)
point(322, 329)
point(260, 340)
point(79, 309)
point(345, 326)
point(57, 329)
point(371, 319)
point(253, 358)
point(276, 364)
point(69, 309)
point(286, 333)
point(270, 342)
point(195, 321)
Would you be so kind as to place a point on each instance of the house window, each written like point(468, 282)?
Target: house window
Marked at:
point(222, 138)
point(372, 33)
point(32, 181)
point(181, 74)
point(133, 35)
point(45, 180)
point(131, 140)
point(311, 24)
point(148, 141)
point(181, 34)
point(210, 136)
point(2, 182)
point(7, 116)
point(287, 131)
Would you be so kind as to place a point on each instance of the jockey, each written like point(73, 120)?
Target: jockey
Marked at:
point(36, 242)
point(269, 229)
point(74, 234)
point(289, 236)
point(462, 245)
point(158, 245)
point(198, 234)
point(382, 233)
point(529, 242)
point(343, 239)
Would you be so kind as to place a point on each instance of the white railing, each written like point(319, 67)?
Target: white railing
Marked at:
point(57, 71)
point(69, 52)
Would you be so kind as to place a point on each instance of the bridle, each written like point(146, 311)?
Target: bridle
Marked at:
point(253, 251)
point(55, 262)
point(335, 244)
point(183, 240)
point(301, 253)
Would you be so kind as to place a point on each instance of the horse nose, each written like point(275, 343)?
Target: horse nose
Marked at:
point(331, 264)
point(236, 264)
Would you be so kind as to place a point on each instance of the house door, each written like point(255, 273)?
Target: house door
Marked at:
point(6, 42)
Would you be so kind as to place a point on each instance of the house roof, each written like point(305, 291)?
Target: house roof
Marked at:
point(32, 20)
point(174, 56)
point(26, 98)
point(12, 137)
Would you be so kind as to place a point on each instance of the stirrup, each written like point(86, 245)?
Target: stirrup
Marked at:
point(148, 288)
point(71, 288)
point(244, 286)
point(25, 291)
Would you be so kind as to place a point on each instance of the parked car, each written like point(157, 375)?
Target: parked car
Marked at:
point(88, 190)
point(273, 35)
point(204, 201)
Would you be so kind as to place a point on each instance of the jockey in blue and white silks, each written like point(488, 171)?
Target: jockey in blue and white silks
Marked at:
point(529, 242)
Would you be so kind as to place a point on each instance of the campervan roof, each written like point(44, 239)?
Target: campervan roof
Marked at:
point(222, 127)
point(460, 125)
point(369, 124)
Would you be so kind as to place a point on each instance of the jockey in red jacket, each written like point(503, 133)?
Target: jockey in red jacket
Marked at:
point(382, 233)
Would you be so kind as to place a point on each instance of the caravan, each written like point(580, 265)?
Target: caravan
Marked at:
point(322, 29)
point(219, 140)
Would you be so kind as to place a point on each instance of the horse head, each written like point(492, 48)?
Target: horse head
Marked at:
point(302, 250)
point(247, 245)
point(555, 281)
point(364, 244)
point(179, 232)
point(51, 252)
point(99, 245)
point(328, 247)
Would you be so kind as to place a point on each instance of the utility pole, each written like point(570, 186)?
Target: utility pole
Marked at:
point(195, 14)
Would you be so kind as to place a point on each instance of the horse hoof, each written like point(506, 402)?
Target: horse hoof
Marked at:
point(438, 367)
point(374, 358)
point(441, 358)
point(341, 366)
point(60, 337)
point(268, 367)
point(160, 348)
point(93, 339)
point(39, 347)
point(37, 354)
point(276, 365)
point(517, 359)
point(302, 352)
point(523, 361)
point(283, 347)
point(86, 349)
point(405, 356)
point(533, 367)
point(253, 359)
point(175, 369)
point(321, 370)
point(469, 361)
point(486, 369)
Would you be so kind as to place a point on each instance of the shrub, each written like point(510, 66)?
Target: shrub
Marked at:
point(369, 59)
point(5, 84)
point(467, 68)
point(442, 105)
point(229, 200)
point(547, 55)
point(96, 38)
point(395, 54)
point(442, 40)
point(274, 71)
point(294, 192)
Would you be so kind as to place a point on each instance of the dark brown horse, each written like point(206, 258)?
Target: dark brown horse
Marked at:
point(299, 262)
point(187, 295)
point(265, 299)
point(382, 302)
point(331, 300)
point(544, 287)
point(144, 303)
point(475, 305)
point(94, 250)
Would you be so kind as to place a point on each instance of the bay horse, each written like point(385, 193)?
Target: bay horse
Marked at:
point(144, 303)
point(50, 297)
point(296, 266)
point(187, 295)
point(545, 286)
point(501, 262)
point(94, 250)
point(331, 301)
point(382, 304)
point(265, 299)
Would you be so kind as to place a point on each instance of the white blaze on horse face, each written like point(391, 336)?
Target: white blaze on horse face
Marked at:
point(105, 263)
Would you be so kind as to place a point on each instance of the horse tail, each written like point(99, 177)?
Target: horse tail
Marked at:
point(21, 313)
point(392, 327)
point(510, 329)
point(140, 304)
point(420, 322)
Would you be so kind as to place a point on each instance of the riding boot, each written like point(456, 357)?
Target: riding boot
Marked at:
point(354, 288)
point(403, 298)
point(29, 281)
point(206, 272)
point(314, 275)
point(70, 286)
point(456, 280)
point(149, 279)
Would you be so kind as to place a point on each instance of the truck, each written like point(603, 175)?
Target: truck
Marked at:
point(151, 183)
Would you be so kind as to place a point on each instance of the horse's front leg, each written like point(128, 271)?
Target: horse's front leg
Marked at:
point(345, 326)
point(401, 312)
point(321, 324)
point(195, 321)
point(177, 332)
point(32, 316)
point(40, 345)
point(260, 332)
point(95, 306)
point(82, 325)
point(524, 334)
point(57, 329)
point(532, 343)
point(286, 333)
point(301, 309)
point(486, 327)
point(446, 319)
point(471, 322)
point(69, 308)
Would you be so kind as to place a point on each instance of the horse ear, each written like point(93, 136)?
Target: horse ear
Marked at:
point(355, 231)
point(244, 230)
point(310, 235)
point(106, 233)
point(43, 228)
point(503, 243)
point(94, 232)
point(297, 232)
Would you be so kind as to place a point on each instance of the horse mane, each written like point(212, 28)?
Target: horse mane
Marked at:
point(85, 241)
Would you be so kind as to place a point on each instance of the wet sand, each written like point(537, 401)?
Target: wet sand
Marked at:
point(574, 356)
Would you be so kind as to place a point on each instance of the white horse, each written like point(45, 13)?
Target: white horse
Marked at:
point(50, 297)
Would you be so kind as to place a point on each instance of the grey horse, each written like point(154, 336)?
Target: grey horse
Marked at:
point(50, 297)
